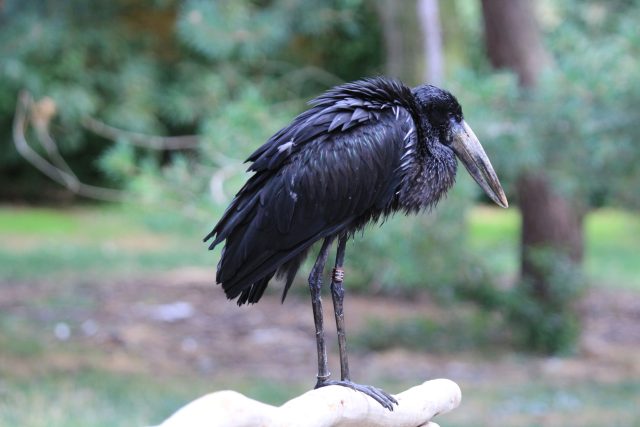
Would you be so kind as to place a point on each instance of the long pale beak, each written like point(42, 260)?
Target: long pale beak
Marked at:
point(468, 149)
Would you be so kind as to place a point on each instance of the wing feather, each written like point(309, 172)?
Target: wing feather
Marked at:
point(336, 167)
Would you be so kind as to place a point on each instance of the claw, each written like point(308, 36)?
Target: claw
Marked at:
point(383, 398)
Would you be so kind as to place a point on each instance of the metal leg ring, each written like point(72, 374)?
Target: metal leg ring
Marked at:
point(338, 275)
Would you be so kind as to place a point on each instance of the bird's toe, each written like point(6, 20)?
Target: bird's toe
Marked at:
point(383, 398)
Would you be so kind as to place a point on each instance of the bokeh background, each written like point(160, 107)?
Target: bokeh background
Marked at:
point(124, 125)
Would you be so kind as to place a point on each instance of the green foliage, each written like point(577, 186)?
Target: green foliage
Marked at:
point(234, 72)
point(538, 318)
point(513, 316)
point(578, 126)
point(611, 255)
point(251, 85)
point(495, 232)
point(547, 323)
point(611, 245)
point(90, 242)
point(465, 331)
point(74, 54)
point(406, 254)
point(227, 29)
point(91, 397)
point(242, 126)
point(541, 323)
point(168, 67)
point(118, 161)
point(579, 123)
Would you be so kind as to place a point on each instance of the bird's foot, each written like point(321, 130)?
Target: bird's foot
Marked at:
point(380, 396)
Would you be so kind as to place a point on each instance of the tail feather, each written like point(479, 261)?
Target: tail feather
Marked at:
point(253, 293)
point(289, 271)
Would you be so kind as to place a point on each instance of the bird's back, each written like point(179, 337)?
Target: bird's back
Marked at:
point(334, 168)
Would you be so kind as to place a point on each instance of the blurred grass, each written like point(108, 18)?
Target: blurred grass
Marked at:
point(37, 242)
point(49, 383)
point(91, 398)
point(584, 403)
point(52, 384)
point(97, 398)
point(612, 244)
point(468, 329)
point(613, 248)
point(493, 236)
point(88, 399)
point(36, 221)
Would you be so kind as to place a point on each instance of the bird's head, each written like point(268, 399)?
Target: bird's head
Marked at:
point(442, 118)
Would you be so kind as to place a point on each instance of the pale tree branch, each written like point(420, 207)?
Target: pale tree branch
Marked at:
point(218, 178)
point(39, 115)
point(332, 406)
point(61, 174)
point(228, 166)
point(140, 139)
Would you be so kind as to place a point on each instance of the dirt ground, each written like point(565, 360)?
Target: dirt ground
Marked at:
point(180, 323)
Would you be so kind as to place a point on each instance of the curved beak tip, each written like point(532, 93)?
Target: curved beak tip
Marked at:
point(468, 149)
point(496, 193)
point(504, 203)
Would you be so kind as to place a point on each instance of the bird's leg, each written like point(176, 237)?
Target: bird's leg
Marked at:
point(315, 284)
point(337, 294)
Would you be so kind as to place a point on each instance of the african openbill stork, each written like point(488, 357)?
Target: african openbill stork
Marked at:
point(362, 151)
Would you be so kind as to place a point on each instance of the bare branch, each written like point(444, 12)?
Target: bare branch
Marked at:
point(218, 178)
point(63, 176)
point(139, 139)
point(42, 112)
point(54, 166)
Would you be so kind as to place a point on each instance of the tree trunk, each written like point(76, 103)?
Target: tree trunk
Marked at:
point(392, 38)
point(429, 17)
point(549, 220)
point(513, 39)
point(403, 49)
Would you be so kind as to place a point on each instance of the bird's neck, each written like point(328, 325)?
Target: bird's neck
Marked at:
point(430, 175)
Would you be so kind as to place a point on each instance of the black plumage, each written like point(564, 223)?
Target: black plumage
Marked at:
point(349, 159)
point(362, 151)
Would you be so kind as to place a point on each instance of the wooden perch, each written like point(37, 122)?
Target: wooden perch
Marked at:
point(331, 406)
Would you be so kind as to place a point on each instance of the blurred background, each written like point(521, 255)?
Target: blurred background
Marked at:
point(124, 125)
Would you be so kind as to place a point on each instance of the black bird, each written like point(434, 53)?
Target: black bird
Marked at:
point(363, 150)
